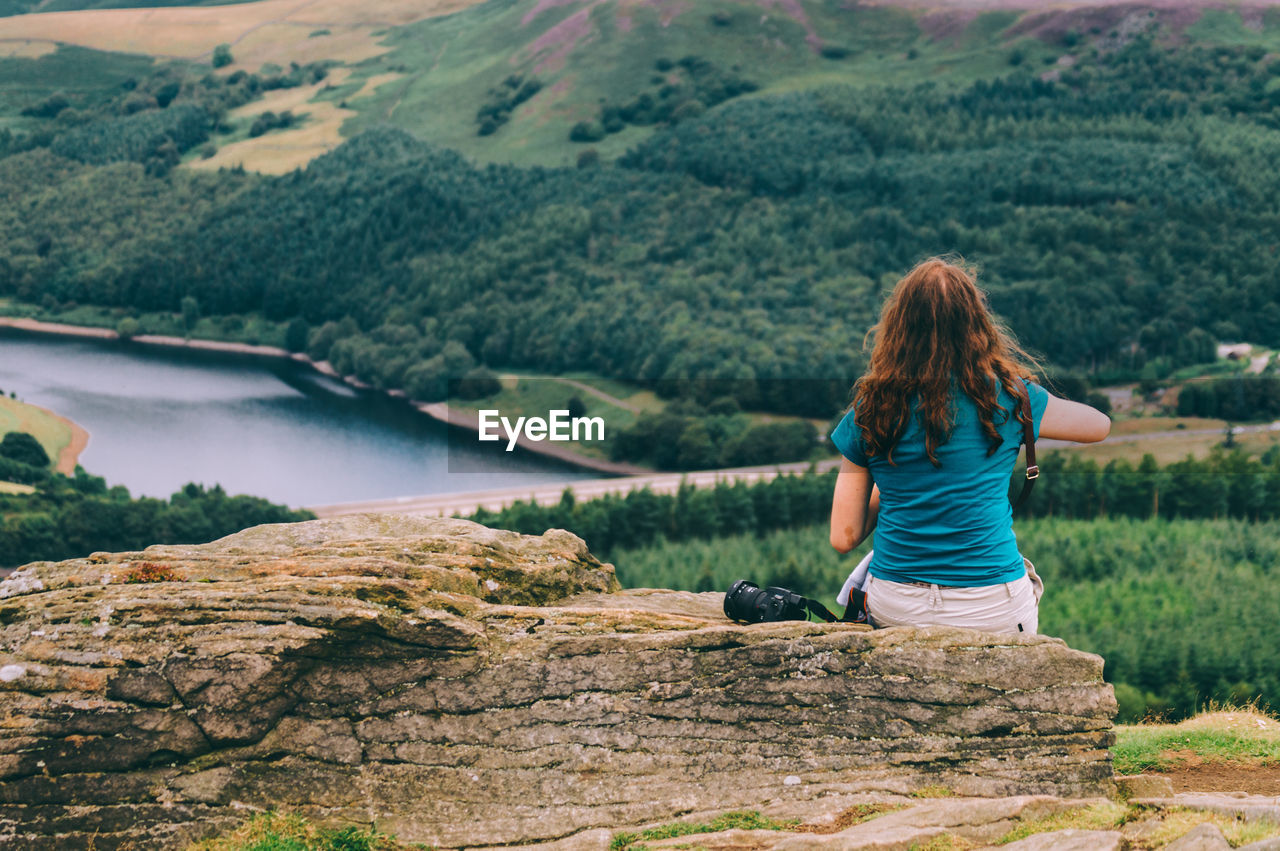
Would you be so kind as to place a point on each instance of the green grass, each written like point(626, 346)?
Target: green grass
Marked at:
point(1206, 370)
point(1174, 822)
point(251, 329)
point(1100, 816)
point(529, 393)
point(528, 396)
point(452, 62)
point(1225, 26)
point(274, 831)
point(53, 433)
point(1252, 738)
point(746, 820)
point(74, 71)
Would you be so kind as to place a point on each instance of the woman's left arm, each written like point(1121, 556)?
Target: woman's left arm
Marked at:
point(855, 505)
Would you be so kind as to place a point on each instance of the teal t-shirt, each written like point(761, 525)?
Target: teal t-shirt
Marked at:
point(952, 524)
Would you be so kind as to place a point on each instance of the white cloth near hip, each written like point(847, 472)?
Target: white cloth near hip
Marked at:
point(857, 579)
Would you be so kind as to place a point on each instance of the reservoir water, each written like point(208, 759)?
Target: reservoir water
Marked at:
point(161, 417)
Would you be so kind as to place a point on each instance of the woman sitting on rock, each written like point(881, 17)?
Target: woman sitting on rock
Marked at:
point(929, 444)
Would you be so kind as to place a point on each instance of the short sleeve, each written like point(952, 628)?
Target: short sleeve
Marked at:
point(847, 437)
point(1039, 398)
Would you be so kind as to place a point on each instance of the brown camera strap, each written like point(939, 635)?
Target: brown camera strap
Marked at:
point(1028, 440)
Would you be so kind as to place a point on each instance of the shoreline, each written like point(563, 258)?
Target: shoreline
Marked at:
point(441, 412)
point(69, 457)
point(438, 411)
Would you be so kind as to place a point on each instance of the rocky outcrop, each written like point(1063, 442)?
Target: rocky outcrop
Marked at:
point(457, 685)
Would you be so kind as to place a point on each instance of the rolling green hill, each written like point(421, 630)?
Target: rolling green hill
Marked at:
point(589, 55)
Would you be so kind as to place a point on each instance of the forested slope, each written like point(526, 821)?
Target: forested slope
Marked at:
point(1122, 215)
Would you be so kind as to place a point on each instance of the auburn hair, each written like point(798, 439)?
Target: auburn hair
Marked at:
point(936, 336)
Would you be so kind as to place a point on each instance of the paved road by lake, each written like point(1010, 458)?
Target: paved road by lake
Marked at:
point(469, 503)
point(496, 499)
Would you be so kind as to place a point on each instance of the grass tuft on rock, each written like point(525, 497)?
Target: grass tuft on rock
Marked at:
point(1101, 816)
point(1176, 823)
point(739, 820)
point(276, 831)
point(1243, 735)
point(933, 790)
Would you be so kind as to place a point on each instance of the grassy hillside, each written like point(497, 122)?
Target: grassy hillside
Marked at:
point(53, 432)
point(88, 75)
point(586, 54)
point(430, 68)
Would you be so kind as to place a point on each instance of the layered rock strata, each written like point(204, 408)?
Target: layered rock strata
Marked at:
point(456, 685)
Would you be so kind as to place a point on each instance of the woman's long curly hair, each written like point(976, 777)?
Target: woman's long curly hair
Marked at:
point(935, 334)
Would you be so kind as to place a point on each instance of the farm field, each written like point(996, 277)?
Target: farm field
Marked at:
point(279, 31)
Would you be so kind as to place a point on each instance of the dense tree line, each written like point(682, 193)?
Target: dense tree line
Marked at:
point(502, 99)
point(1223, 485)
point(68, 517)
point(1238, 398)
point(686, 436)
point(641, 517)
point(152, 135)
point(18, 447)
point(152, 118)
point(679, 90)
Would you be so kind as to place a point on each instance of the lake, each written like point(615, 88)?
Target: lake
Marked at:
point(161, 417)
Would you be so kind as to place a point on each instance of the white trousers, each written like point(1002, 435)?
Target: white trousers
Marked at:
point(1009, 607)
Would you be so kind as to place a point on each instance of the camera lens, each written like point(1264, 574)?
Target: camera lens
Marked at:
point(744, 602)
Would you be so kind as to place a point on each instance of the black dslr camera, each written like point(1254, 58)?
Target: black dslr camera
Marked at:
point(747, 603)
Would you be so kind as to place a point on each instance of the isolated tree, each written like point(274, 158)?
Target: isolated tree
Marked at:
point(128, 328)
point(477, 383)
point(190, 312)
point(23, 448)
point(222, 56)
point(296, 334)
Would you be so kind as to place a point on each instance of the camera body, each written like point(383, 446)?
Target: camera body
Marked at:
point(747, 602)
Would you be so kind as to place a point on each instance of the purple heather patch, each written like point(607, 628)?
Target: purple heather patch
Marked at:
point(793, 10)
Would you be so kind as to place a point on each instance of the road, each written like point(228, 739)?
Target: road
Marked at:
point(494, 500)
point(468, 503)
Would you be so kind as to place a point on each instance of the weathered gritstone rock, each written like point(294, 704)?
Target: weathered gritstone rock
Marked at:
point(1233, 804)
point(457, 685)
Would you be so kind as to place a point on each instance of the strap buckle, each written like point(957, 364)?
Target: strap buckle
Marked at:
point(1033, 472)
